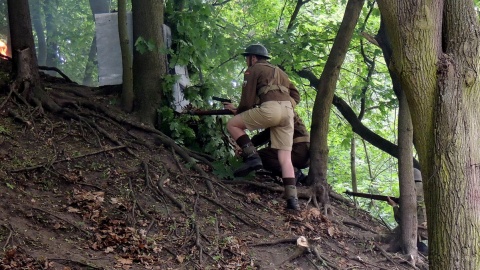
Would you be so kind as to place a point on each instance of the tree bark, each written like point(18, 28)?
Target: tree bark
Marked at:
point(408, 196)
point(127, 75)
point(38, 26)
point(439, 78)
point(27, 79)
point(52, 34)
point(148, 67)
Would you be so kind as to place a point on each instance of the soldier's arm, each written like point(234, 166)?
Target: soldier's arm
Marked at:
point(294, 93)
point(249, 91)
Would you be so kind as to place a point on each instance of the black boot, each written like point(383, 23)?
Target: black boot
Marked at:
point(291, 197)
point(292, 204)
point(300, 177)
point(251, 161)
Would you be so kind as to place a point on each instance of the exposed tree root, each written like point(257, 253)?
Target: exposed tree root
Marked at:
point(66, 159)
point(60, 218)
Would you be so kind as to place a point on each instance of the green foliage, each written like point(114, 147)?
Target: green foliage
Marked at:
point(143, 46)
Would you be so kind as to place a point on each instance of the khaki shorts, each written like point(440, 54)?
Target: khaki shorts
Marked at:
point(276, 115)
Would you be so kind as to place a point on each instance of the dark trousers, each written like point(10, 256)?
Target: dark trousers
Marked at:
point(300, 157)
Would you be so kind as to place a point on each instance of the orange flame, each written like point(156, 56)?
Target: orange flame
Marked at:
point(3, 48)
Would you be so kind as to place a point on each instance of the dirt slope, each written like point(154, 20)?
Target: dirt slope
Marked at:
point(94, 192)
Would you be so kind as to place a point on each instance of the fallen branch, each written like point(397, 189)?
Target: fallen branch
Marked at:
point(276, 242)
point(58, 71)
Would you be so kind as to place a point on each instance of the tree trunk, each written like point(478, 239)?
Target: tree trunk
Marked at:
point(408, 197)
point(27, 80)
point(127, 81)
point(149, 67)
point(324, 97)
point(439, 78)
point(52, 34)
point(38, 26)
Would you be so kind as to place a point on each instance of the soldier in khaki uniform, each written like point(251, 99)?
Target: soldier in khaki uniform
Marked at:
point(300, 150)
point(268, 100)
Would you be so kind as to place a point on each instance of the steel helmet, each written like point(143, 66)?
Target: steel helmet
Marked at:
point(256, 49)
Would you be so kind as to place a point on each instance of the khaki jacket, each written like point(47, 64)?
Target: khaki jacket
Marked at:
point(260, 75)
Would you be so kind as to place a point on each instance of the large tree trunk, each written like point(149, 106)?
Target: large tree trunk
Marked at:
point(439, 77)
point(27, 80)
point(148, 67)
point(324, 97)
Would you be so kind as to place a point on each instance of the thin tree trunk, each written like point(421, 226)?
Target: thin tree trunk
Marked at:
point(38, 26)
point(127, 75)
point(408, 198)
point(324, 97)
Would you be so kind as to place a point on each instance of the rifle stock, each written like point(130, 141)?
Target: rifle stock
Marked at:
point(372, 196)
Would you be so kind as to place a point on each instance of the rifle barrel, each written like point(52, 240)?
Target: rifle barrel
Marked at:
point(211, 112)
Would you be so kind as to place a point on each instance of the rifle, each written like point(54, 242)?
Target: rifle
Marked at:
point(210, 112)
point(222, 99)
point(372, 196)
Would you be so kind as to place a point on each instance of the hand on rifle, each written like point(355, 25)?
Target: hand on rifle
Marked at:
point(229, 106)
point(391, 202)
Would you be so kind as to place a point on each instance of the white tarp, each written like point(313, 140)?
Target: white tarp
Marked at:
point(109, 55)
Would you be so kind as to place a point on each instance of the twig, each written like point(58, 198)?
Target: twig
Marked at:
point(69, 262)
point(385, 254)
point(58, 71)
point(9, 236)
point(322, 258)
point(67, 159)
point(169, 195)
point(226, 209)
point(352, 223)
point(197, 233)
point(52, 214)
point(135, 202)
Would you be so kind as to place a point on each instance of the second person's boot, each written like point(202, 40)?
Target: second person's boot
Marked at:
point(251, 161)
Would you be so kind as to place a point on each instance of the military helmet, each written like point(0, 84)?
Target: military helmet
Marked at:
point(256, 49)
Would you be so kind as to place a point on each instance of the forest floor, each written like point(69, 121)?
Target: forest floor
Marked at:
point(101, 191)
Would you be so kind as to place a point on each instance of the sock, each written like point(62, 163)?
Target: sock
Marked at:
point(243, 140)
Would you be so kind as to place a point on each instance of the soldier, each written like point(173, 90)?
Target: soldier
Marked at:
point(268, 100)
point(300, 151)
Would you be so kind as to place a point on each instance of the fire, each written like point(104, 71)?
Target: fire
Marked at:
point(3, 48)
